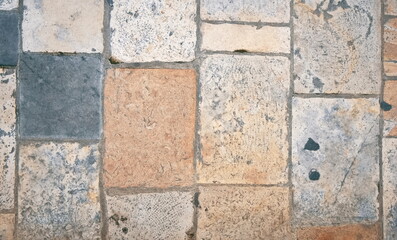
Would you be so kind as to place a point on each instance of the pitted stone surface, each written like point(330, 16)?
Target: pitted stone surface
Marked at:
point(243, 117)
point(60, 96)
point(236, 37)
point(145, 31)
point(390, 7)
point(343, 232)
point(337, 46)
point(245, 213)
point(8, 4)
point(347, 160)
point(390, 188)
point(151, 216)
point(390, 108)
point(149, 127)
point(390, 47)
point(58, 191)
point(7, 222)
point(246, 10)
point(9, 38)
point(59, 26)
point(7, 137)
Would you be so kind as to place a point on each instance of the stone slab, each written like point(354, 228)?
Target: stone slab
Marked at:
point(389, 107)
point(8, 4)
point(342, 232)
point(390, 188)
point(390, 7)
point(9, 38)
point(7, 223)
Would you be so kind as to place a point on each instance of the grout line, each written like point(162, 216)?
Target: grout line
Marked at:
point(45, 140)
point(271, 54)
point(334, 95)
point(254, 24)
point(155, 65)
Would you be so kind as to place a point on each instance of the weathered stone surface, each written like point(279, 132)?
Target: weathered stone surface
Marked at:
point(7, 137)
point(8, 4)
point(346, 161)
point(9, 38)
point(337, 46)
point(390, 68)
point(246, 10)
point(227, 212)
point(236, 37)
point(58, 191)
point(390, 7)
point(149, 127)
point(151, 216)
point(390, 47)
point(145, 31)
point(60, 96)
point(390, 188)
point(54, 26)
point(343, 232)
point(7, 222)
point(389, 107)
point(243, 117)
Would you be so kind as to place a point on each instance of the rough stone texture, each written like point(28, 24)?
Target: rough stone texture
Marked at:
point(53, 26)
point(155, 30)
point(344, 232)
point(149, 127)
point(390, 47)
point(8, 4)
point(346, 131)
point(390, 7)
point(390, 68)
point(60, 96)
point(7, 137)
point(390, 114)
point(9, 38)
point(243, 117)
point(151, 216)
point(7, 222)
point(246, 10)
point(243, 213)
point(390, 188)
point(58, 192)
point(337, 46)
point(235, 37)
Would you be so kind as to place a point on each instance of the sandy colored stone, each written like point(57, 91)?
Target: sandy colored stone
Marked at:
point(390, 68)
point(390, 115)
point(346, 158)
point(151, 216)
point(337, 46)
point(390, 188)
point(149, 127)
point(390, 7)
point(58, 193)
point(7, 137)
point(145, 31)
point(343, 232)
point(243, 118)
point(235, 37)
point(390, 40)
point(59, 26)
point(246, 10)
point(7, 222)
point(243, 213)
point(8, 4)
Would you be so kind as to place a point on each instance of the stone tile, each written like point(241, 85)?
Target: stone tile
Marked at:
point(390, 188)
point(227, 212)
point(235, 37)
point(335, 160)
point(7, 137)
point(151, 216)
point(149, 127)
point(390, 40)
point(390, 68)
point(390, 7)
point(9, 38)
point(8, 4)
point(389, 107)
point(145, 31)
point(60, 96)
point(243, 117)
point(58, 191)
point(246, 10)
point(77, 28)
point(7, 222)
point(337, 46)
point(344, 232)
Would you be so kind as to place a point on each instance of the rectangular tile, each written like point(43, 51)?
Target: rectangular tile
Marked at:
point(342, 232)
point(390, 188)
point(7, 222)
point(8, 4)
point(390, 7)
point(9, 38)
point(389, 107)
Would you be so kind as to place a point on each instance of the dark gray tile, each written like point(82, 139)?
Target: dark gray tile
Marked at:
point(9, 39)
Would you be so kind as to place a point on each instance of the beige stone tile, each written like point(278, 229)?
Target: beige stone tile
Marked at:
point(390, 188)
point(389, 106)
point(390, 40)
point(7, 223)
point(390, 68)
point(343, 232)
point(390, 7)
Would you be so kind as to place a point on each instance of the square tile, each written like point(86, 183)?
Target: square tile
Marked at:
point(390, 7)
point(9, 38)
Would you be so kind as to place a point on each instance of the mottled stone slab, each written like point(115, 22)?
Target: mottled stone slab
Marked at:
point(145, 31)
point(60, 96)
point(8, 4)
point(243, 118)
point(335, 160)
point(7, 137)
point(59, 26)
point(151, 216)
point(337, 46)
point(9, 38)
point(390, 7)
point(390, 188)
point(246, 10)
point(342, 232)
point(389, 107)
point(58, 191)
point(149, 127)
point(236, 37)
point(227, 212)
point(7, 222)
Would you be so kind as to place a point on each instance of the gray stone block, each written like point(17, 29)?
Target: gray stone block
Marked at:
point(9, 39)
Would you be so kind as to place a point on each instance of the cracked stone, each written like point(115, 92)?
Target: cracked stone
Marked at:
point(8, 4)
point(7, 222)
point(390, 188)
point(343, 232)
point(390, 116)
point(9, 38)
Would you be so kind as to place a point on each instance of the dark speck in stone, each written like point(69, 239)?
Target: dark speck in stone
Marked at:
point(240, 51)
point(385, 106)
point(125, 230)
point(314, 175)
point(311, 145)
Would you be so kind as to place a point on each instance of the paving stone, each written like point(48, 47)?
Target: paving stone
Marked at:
point(390, 188)
point(390, 7)
point(8, 4)
point(58, 191)
point(145, 31)
point(389, 106)
point(7, 222)
point(337, 182)
point(390, 68)
point(243, 117)
point(246, 10)
point(343, 232)
point(151, 216)
point(390, 47)
point(7, 137)
point(149, 127)
point(9, 38)
point(60, 96)
point(76, 28)
point(337, 46)
point(227, 212)
point(235, 37)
